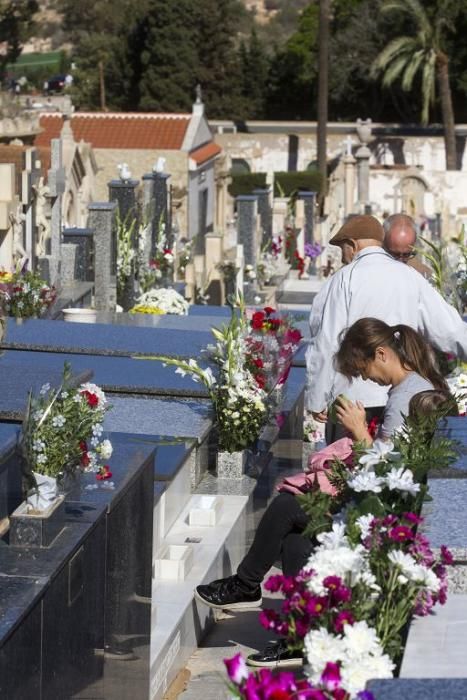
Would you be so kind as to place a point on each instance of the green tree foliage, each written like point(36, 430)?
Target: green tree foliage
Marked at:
point(16, 26)
point(292, 84)
point(422, 51)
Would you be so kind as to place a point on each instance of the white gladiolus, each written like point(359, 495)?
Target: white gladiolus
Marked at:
point(401, 479)
point(366, 481)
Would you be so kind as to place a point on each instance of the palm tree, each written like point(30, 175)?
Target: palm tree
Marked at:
point(323, 91)
point(423, 52)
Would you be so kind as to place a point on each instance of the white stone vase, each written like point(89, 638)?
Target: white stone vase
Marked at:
point(79, 315)
point(45, 496)
point(231, 465)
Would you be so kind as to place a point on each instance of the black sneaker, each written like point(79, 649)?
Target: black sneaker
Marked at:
point(229, 594)
point(276, 655)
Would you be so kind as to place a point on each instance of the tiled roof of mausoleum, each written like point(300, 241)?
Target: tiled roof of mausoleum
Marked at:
point(204, 153)
point(119, 130)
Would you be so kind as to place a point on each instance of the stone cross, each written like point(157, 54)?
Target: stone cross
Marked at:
point(30, 181)
point(56, 183)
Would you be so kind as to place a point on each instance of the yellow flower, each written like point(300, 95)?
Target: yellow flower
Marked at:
point(5, 276)
point(141, 309)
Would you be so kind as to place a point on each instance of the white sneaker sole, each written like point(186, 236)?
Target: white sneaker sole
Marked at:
point(231, 606)
point(283, 663)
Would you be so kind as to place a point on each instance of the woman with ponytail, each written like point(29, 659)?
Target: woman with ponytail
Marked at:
point(395, 356)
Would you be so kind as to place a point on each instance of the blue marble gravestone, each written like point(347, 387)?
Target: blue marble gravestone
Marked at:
point(17, 379)
point(419, 689)
point(102, 339)
point(113, 374)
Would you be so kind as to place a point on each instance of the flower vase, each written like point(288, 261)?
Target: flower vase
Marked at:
point(231, 465)
point(41, 517)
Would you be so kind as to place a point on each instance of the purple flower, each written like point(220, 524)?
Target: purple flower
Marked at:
point(316, 605)
point(274, 583)
point(343, 618)
point(401, 533)
point(313, 250)
point(331, 676)
point(446, 556)
point(302, 627)
point(412, 518)
point(332, 582)
point(236, 669)
point(365, 695)
point(268, 619)
point(342, 595)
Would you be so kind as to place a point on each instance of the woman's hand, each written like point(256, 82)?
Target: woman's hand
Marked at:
point(352, 416)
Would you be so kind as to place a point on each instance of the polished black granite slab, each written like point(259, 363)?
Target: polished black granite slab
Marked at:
point(17, 379)
point(170, 454)
point(20, 644)
point(114, 374)
point(103, 339)
point(175, 417)
point(128, 460)
point(18, 595)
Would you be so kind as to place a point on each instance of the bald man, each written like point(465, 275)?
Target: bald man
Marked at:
point(400, 240)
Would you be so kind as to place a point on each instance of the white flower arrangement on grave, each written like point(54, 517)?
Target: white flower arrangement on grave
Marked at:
point(161, 301)
point(239, 403)
point(62, 435)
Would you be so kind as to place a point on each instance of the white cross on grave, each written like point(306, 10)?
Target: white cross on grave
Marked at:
point(56, 183)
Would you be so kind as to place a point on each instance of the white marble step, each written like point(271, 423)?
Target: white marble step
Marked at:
point(179, 622)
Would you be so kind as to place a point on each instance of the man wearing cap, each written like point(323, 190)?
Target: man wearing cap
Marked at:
point(400, 238)
point(373, 284)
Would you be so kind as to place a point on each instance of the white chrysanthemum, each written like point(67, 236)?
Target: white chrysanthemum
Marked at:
point(364, 524)
point(322, 647)
point(105, 449)
point(168, 300)
point(427, 578)
point(355, 675)
point(44, 389)
point(58, 421)
point(360, 639)
point(405, 562)
point(345, 562)
point(334, 538)
point(366, 481)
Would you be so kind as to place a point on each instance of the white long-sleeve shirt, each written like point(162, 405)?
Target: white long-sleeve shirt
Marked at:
point(377, 286)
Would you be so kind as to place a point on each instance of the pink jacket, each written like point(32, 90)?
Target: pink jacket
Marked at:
point(317, 465)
